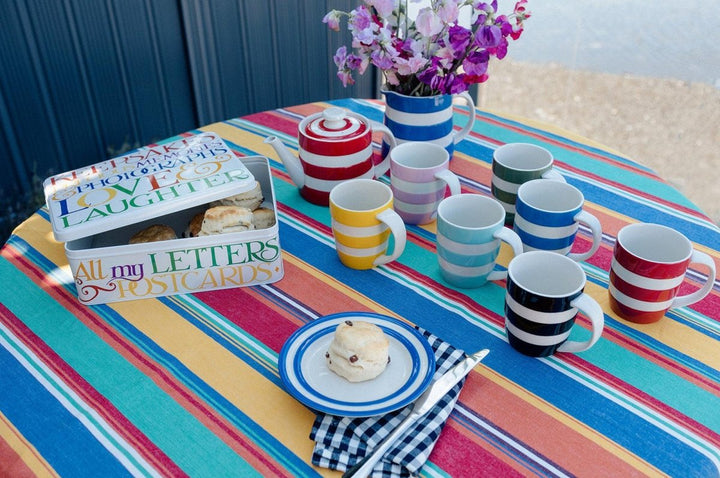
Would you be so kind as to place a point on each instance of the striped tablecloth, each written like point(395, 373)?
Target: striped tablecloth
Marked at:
point(189, 384)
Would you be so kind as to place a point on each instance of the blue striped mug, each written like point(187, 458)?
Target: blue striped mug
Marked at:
point(547, 216)
point(469, 230)
point(425, 118)
point(544, 295)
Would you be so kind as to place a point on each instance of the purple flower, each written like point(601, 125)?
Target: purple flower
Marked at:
point(340, 56)
point(360, 19)
point(488, 36)
point(459, 39)
point(381, 59)
point(431, 55)
point(476, 63)
point(506, 27)
point(501, 50)
point(458, 85)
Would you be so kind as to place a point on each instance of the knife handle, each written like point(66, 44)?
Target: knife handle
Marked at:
point(363, 468)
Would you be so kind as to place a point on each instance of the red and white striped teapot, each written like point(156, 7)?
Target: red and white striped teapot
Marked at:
point(335, 145)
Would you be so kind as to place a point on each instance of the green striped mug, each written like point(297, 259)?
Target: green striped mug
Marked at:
point(517, 163)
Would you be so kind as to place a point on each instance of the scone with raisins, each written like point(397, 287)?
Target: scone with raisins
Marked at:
point(359, 351)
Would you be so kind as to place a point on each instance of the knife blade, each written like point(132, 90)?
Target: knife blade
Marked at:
point(429, 398)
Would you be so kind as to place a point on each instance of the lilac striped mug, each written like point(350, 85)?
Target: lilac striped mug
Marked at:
point(420, 179)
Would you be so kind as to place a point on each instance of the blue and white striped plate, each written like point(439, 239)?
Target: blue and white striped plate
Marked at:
point(306, 376)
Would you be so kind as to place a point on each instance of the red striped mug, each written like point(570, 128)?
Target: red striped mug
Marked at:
point(649, 264)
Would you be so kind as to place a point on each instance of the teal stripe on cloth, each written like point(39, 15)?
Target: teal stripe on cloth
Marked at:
point(162, 419)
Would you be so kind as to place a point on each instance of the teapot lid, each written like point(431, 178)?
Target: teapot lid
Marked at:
point(335, 124)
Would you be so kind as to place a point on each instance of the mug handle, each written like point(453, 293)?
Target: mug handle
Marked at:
point(553, 175)
point(588, 306)
point(513, 240)
point(382, 167)
point(594, 225)
point(397, 228)
point(687, 299)
point(460, 135)
point(450, 179)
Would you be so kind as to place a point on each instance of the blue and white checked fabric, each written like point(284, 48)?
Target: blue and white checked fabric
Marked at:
point(341, 441)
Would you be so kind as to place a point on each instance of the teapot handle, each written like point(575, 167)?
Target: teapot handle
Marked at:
point(383, 167)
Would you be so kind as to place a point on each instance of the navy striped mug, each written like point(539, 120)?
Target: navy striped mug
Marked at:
point(544, 295)
point(547, 217)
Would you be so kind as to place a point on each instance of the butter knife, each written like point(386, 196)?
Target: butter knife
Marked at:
point(437, 390)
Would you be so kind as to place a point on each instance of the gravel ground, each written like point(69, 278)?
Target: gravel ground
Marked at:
point(671, 126)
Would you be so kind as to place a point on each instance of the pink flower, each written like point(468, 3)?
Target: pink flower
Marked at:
point(345, 77)
point(411, 65)
point(391, 78)
point(448, 11)
point(384, 8)
point(427, 23)
point(333, 20)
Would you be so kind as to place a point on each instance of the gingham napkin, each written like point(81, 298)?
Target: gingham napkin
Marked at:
point(341, 442)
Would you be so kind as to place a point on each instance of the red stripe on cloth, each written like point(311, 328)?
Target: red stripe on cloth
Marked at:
point(12, 464)
point(658, 407)
point(90, 395)
point(163, 378)
point(276, 121)
point(264, 323)
point(459, 456)
point(523, 437)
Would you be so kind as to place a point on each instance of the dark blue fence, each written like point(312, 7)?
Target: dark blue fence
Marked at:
point(82, 79)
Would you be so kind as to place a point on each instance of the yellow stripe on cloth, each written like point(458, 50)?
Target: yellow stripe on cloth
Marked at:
point(568, 421)
point(27, 453)
point(238, 136)
point(278, 413)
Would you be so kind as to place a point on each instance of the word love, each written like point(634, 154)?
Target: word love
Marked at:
point(118, 199)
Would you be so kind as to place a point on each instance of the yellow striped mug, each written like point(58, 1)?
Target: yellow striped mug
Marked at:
point(362, 221)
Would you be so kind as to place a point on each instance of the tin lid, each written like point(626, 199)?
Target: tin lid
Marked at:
point(145, 183)
point(335, 124)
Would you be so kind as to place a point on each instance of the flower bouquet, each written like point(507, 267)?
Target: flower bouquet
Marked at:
point(431, 54)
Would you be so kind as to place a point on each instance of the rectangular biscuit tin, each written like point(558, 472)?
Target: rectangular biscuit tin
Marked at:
point(96, 210)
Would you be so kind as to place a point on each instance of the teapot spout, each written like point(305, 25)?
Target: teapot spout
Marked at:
point(291, 162)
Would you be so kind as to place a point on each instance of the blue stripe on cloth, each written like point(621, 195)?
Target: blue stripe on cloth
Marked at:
point(271, 445)
point(70, 448)
point(562, 139)
point(627, 429)
point(369, 110)
point(495, 436)
point(701, 232)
